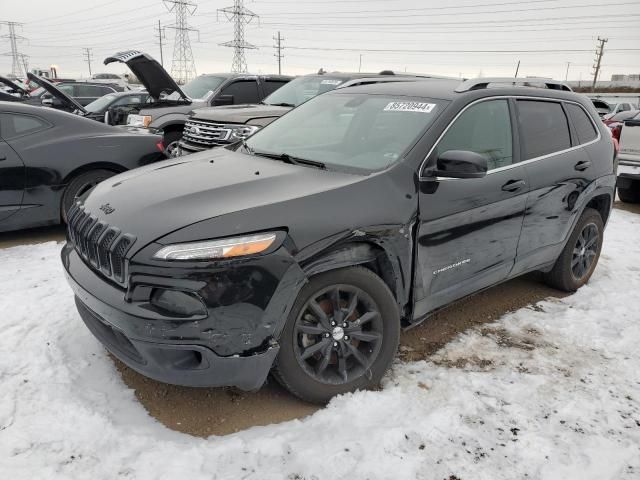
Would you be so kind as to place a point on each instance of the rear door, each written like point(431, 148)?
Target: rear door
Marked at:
point(552, 135)
point(469, 228)
point(12, 170)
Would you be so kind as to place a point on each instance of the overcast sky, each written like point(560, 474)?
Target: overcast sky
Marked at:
point(455, 37)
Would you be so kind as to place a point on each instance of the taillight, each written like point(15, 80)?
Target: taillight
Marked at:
point(616, 130)
point(160, 146)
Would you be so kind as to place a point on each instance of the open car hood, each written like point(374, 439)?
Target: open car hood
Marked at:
point(14, 86)
point(153, 76)
point(56, 92)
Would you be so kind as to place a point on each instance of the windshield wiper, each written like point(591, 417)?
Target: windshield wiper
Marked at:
point(285, 157)
point(282, 104)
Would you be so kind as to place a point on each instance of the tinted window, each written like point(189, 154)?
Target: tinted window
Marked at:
point(581, 122)
point(14, 125)
point(245, 91)
point(91, 91)
point(543, 128)
point(68, 89)
point(484, 128)
point(271, 86)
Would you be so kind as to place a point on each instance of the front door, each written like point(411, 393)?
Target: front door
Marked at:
point(469, 228)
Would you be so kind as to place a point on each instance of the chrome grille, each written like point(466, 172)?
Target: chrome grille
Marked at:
point(205, 133)
point(102, 246)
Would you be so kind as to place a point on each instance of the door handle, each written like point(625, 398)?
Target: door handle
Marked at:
point(583, 165)
point(2, 158)
point(513, 185)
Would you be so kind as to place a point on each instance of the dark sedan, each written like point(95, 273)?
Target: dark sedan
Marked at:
point(48, 157)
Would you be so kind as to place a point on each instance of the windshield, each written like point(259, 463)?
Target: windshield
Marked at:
point(100, 104)
point(355, 131)
point(199, 87)
point(301, 89)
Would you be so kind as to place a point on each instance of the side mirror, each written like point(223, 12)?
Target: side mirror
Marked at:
point(106, 117)
point(46, 100)
point(223, 100)
point(460, 164)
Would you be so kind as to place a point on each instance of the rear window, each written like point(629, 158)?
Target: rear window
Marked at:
point(543, 128)
point(582, 123)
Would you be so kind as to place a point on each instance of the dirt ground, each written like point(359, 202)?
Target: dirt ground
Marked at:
point(220, 411)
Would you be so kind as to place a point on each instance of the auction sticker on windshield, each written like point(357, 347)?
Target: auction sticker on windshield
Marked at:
point(410, 107)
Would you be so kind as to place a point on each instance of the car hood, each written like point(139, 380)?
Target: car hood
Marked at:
point(239, 113)
point(56, 92)
point(14, 86)
point(153, 76)
point(154, 201)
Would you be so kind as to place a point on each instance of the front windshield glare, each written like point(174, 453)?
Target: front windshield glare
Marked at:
point(199, 87)
point(354, 131)
point(301, 89)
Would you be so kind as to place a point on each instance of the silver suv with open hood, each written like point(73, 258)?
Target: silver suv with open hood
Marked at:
point(172, 103)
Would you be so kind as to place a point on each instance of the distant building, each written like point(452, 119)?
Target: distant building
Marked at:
point(634, 77)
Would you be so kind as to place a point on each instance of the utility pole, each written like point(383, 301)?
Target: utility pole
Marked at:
point(160, 38)
point(183, 67)
point(566, 75)
point(87, 54)
point(240, 16)
point(14, 39)
point(596, 67)
point(278, 46)
point(517, 69)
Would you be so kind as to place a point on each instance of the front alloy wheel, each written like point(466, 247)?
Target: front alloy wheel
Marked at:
point(341, 335)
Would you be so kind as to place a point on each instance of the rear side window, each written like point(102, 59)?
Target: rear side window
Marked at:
point(245, 91)
point(13, 125)
point(582, 123)
point(543, 128)
point(484, 128)
point(271, 86)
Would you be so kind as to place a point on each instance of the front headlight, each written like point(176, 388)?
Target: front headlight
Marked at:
point(242, 132)
point(215, 249)
point(142, 121)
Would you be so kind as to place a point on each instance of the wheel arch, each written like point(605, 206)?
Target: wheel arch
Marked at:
point(602, 204)
point(369, 255)
point(113, 167)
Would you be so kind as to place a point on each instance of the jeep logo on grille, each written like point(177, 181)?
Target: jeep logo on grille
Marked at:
point(107, 209)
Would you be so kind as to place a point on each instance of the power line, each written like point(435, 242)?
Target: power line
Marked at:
point(87, 57)
point(278, 46)
point(240, 16)
point(596, 67)
point(17, 59)
point(183, 67)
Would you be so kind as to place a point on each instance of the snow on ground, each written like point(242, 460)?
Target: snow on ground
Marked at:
point(551, 391)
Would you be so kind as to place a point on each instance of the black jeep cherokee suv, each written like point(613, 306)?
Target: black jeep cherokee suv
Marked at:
point(306, 248)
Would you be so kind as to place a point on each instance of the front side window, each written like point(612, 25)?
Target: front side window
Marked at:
point(483, 128)
point(543, 128)
point(13, 125)
point(581, 123)
point(244, 91)
point(355, 131)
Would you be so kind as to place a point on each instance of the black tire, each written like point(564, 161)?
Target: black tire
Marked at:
point(80, 185)
point(631, 194)
point(355, 361)
point(579, 258)
point(170, 142)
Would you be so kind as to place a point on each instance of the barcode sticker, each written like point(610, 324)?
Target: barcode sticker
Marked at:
point(410, 107)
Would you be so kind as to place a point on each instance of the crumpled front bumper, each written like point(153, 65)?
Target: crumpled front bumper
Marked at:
point(165, 349)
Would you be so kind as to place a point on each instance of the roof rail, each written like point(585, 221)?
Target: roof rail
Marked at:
point(539, 82)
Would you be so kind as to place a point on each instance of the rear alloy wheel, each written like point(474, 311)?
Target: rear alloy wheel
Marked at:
point(580, 256)
point(80, 185)
point(341, 335)
point(171, 140)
